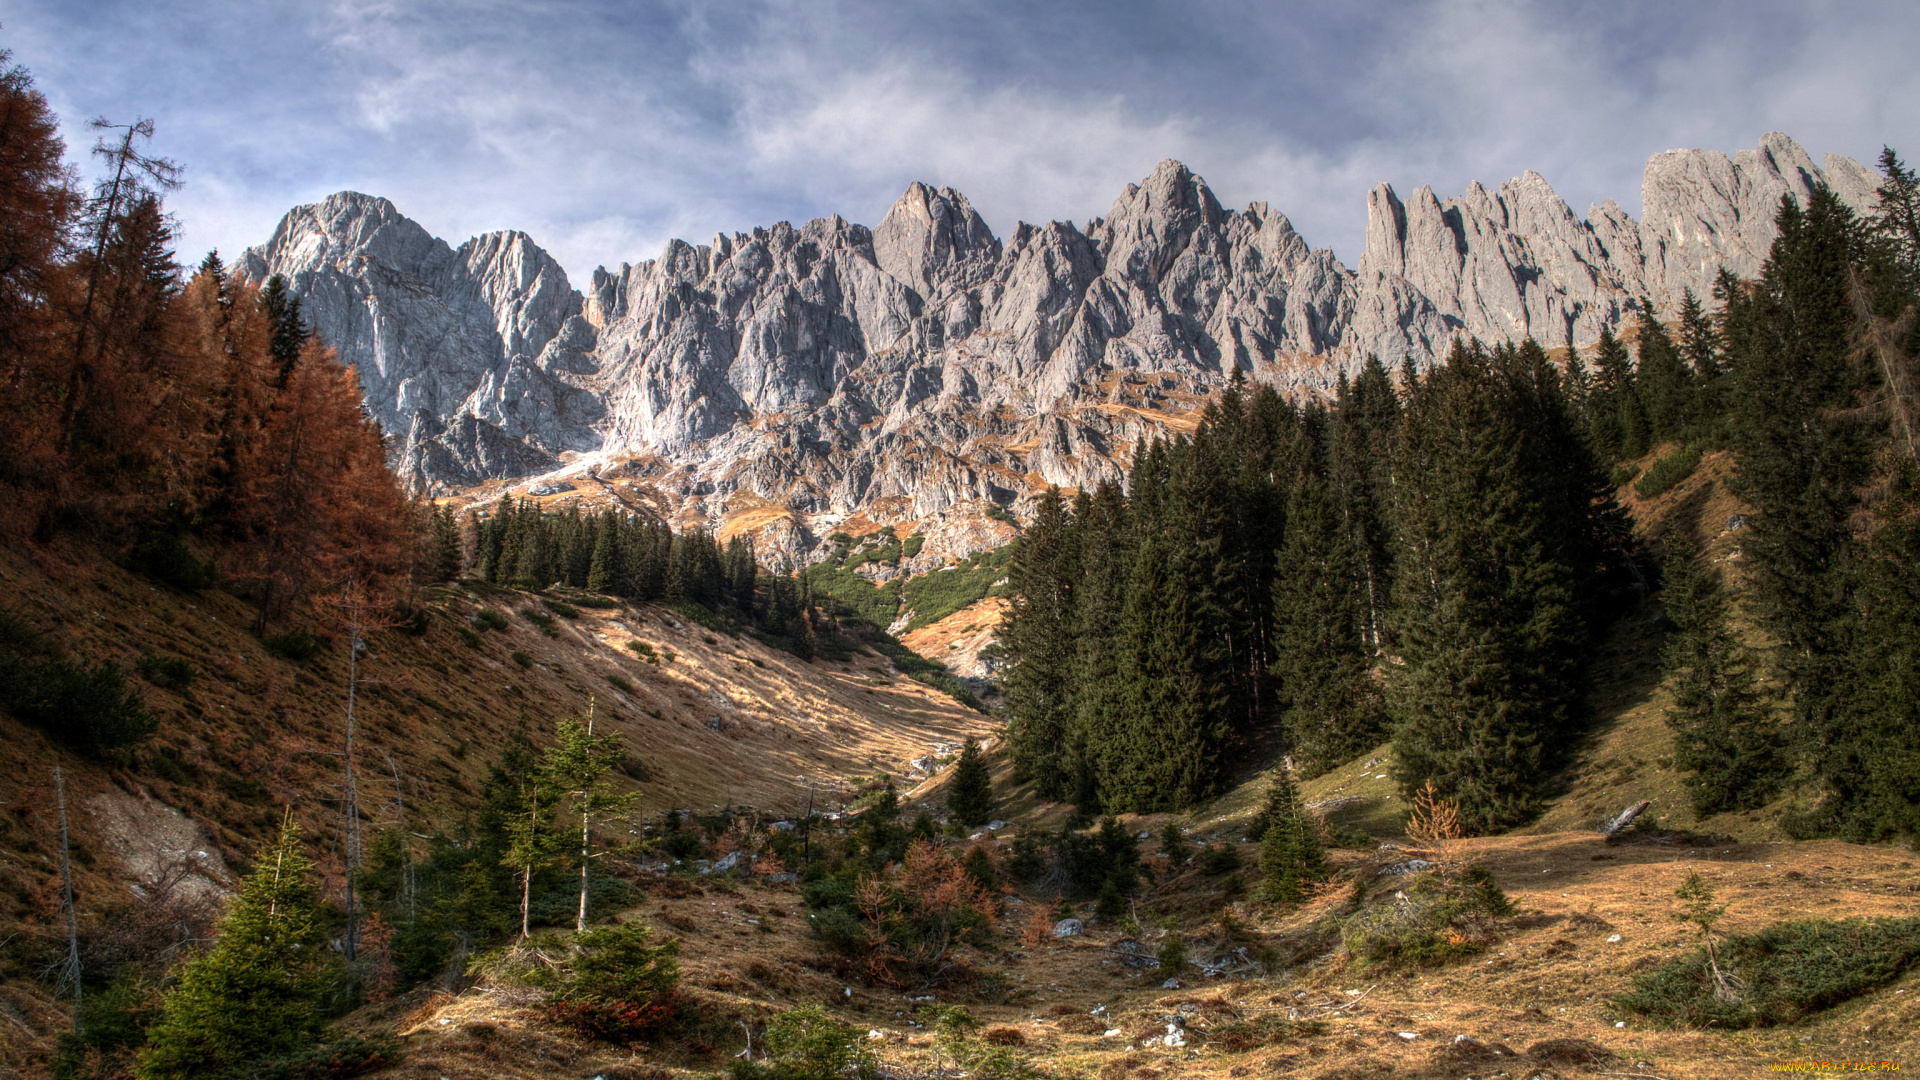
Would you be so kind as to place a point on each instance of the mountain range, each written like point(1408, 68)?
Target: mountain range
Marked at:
point(788, 378)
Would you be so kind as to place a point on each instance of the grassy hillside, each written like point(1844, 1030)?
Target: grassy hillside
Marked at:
point(726, 720)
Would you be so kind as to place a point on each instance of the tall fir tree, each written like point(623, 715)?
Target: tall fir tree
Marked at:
point(1666, 387)
point(1800, 458)
point(1037, 636)
point(1491, 626)
point(259, 992)
point(1323, 664)
point(1616, 417)
point(970, 796)
point(1725, 737)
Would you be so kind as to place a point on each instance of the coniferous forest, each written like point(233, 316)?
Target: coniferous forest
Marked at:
point(1430, 558)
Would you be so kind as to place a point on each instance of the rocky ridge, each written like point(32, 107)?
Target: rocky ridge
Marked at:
point(805, 374)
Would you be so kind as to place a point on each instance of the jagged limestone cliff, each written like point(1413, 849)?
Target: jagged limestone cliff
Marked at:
point(808, 373)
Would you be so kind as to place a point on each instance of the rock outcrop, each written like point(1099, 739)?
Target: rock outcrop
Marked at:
point(474, 359)
point(927, 365)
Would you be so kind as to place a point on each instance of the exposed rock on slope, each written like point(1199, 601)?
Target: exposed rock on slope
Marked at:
point(826, 367)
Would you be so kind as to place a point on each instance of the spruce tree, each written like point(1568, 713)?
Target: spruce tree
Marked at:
point(1105, 549)
point(290, 331)
point(258, 993)
point(1615, 414)
point(970, 799)
point(1801, 458)
point(1724, 735)
point(1165, 748)
point(1037, 637)
point(1291, 854)
point(578, 768)
point(1666, 386)
point(1491, 625)
point(1333, 706)
point(601, 568)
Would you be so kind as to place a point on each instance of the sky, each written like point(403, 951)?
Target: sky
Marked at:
point(603, 129)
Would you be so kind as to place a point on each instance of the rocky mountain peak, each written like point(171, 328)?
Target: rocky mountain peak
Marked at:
point(797, 375)
point(933, 240)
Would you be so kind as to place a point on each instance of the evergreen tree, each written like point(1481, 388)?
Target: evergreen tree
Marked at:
point(970, 799)
point(1724, 736)
point(1491, 627)
point(290, 333)
point(577, 767)
point(258, 992)
point(1897, 218)
point(1171, 725)
point(601, 569)
point(1291, 855)
point(1801, 459)
point(1615, 414)
point(1037, 636)
point(446, 544)
point(1333, 707)
point(1666, 386)
point(1105, 559)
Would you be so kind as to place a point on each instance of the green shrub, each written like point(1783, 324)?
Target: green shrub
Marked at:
point(806, 1043)
point(620, 683)
point(598, 603)
point(89, 708)
point(489, 619)
point(913, 545)
point(1217, 859)
point(618, 984)
point(542, 620)
point(295, 645)
point(472, 639)
point(1779, 975)
point(1173, 952)
point(1662, 475)
point(561, 608)
point(165, 672)
point(165, 557)
point(1623, 475)
point(1433, 919)
point(523, 659)
point(644, 649)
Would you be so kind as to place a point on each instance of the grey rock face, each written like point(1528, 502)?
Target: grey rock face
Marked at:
point(472, 358)
point(926, 366)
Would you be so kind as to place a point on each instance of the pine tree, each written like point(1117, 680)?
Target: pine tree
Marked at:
point(1801, 459)
point(1291, 855)
point(1037, 636)
point(1666, 386)
point(1615, 414)
point(1491, 629)
point(970, 799)
point(1322, 663)
point(577, 767)
point(258, 992)
point(1724, 736)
